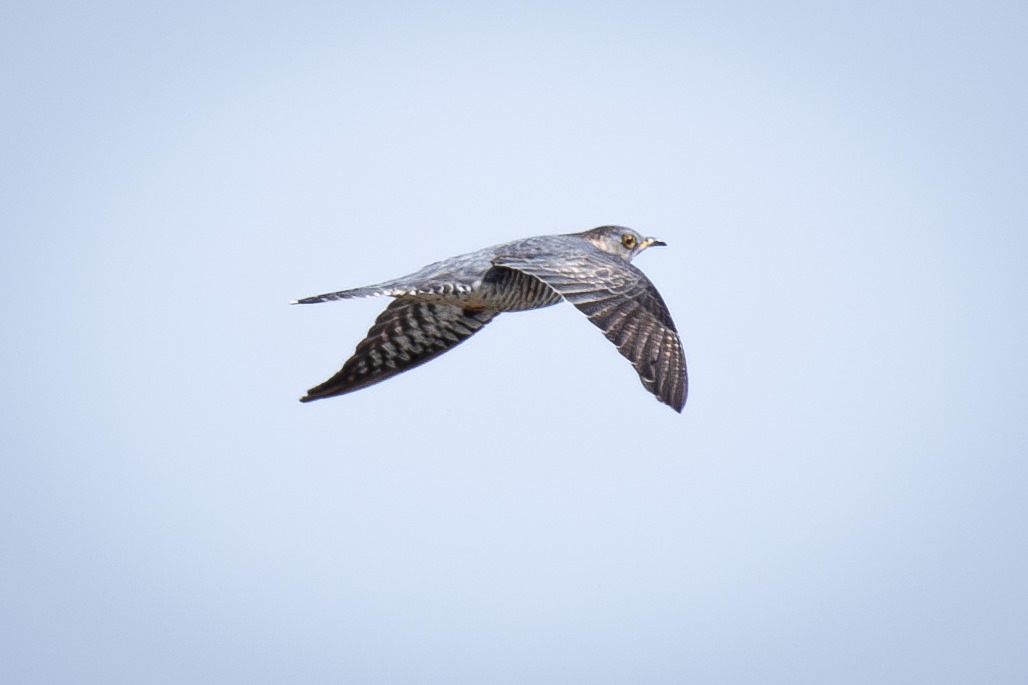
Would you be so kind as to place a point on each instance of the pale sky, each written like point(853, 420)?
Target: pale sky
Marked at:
point(842, 191)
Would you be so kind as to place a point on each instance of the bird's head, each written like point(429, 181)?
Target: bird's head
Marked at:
point(619, 241)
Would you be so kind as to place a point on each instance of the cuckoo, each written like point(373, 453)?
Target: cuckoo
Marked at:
point(445, 303)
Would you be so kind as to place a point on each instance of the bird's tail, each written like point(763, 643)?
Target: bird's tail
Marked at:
point(380, 290)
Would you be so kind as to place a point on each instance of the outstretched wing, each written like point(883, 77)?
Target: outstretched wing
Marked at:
point(407, 334)
point(625, 305)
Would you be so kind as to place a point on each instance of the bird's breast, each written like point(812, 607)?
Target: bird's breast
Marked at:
point(508, 290)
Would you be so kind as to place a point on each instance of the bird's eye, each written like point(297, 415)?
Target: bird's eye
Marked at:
point(628, 240)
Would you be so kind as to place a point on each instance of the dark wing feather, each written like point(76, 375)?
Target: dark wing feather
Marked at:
point(625, 305)
point(407, 334)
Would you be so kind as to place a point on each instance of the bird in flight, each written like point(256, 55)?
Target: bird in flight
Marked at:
point(447, 302)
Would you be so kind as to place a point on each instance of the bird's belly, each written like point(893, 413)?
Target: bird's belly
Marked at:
point(498, 290)
point(506, 290)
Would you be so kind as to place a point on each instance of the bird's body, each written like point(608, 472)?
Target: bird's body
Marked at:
point(469, 281)
point(442, 304)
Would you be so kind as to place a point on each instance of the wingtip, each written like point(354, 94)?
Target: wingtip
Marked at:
point(677, 404)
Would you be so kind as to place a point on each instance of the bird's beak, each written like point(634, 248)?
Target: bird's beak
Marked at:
point(653, 242)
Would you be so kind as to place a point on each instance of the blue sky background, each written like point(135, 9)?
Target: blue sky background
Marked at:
point(843, 190)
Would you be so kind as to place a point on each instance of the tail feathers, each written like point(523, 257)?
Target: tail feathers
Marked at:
point(355, 293)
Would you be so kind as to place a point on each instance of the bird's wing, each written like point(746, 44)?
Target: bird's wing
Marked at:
point(625, 305)
point(407, 334)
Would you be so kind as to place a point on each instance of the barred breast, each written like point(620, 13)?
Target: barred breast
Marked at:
point(507, 290)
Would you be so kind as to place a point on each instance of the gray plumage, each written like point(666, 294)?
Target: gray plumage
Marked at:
point(445, 303)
